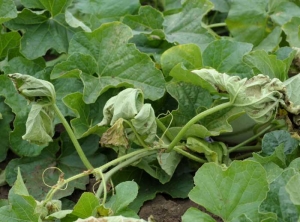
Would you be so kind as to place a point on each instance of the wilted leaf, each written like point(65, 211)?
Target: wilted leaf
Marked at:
point(115, 136)
point(40, 124)
point(128, 104)
point(33, 89)
point(258, 96)
point(231, 192)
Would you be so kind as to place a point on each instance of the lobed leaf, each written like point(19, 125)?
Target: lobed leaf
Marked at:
point(118, 63)
point(186, 25)
point(231, 192)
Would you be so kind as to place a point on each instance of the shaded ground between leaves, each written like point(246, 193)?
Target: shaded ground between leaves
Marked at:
point(168, 210)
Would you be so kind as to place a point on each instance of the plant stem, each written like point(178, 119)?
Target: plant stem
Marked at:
point(60, 184)
point(222, 24)
point(195, 120)
point(164, 129)
point(190, 156)
point(108, 174)
point(237, 147)
point(75, 142)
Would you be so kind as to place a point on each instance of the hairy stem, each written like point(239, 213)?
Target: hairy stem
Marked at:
point(194, 120)
point(75, 142)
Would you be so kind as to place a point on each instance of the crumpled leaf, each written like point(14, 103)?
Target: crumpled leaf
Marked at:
point(33, 89)
point(39, 124)
point(259, 96)
point(231, 192)
point(129, 105)
point(115, 136)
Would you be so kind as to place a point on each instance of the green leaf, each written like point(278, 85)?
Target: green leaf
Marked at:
point(271, 41)
point(126, 192)
point(180, 73)
point(227, 56)
point(169, 162)
point(278, 195)
point(189, 55)
point(269, 65)
point(8, 10)
point(208, 149)
point(42, 33)
point(22, 205)
point(278, 157)
point(292, 30)
point(8, 41)
point(231, 192)
point(190, 98)
point(111, 219)
point(284, 12)
point(178, 187)
point(87, 116)
point(193, 214)
point(275, 138)
point(101, 11)
point(55, 7)
point(66, 159)
point(221, 5)
point(86, 205)
point(118, 63)
point(292, 188)
point(7, 118)
point(147, 20)
point(247, 20)
point(74, 66)
point(186, 25)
